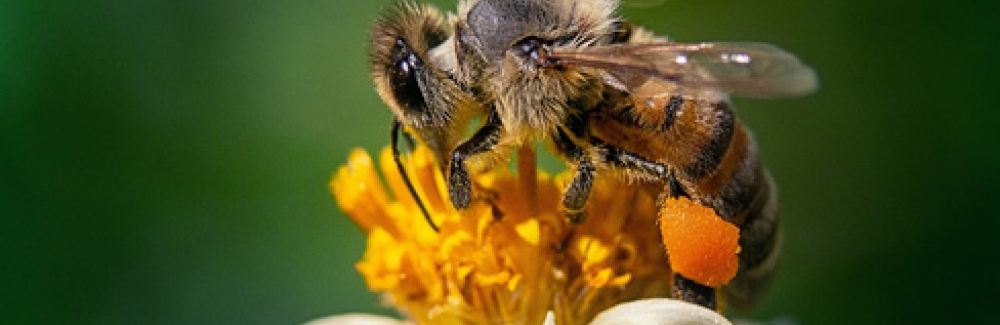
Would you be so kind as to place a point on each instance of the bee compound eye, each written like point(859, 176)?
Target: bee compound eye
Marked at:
point(404, 79)
point(528, 46)
point(533, 49)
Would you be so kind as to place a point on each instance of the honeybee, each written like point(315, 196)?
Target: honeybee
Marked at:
point(610, 96)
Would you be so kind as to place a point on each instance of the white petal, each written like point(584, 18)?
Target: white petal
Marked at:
point(659, 311)
point(357, 319)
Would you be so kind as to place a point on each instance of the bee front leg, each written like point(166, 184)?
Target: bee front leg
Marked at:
point(459, 180)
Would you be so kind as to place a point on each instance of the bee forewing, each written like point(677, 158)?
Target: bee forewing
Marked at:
point(742, 69)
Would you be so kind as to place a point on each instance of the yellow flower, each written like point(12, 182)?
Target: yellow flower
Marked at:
point(512, 257)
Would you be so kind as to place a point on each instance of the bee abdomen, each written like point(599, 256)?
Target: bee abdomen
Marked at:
point(760, 241)
point(752, 206)
point(742, 192)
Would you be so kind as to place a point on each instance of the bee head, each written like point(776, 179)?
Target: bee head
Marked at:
point(510, 40)
point(422, 96)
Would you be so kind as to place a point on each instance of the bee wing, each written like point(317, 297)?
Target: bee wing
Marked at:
point(742, 69)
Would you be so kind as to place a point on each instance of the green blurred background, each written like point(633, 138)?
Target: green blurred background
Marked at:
point(166, 162)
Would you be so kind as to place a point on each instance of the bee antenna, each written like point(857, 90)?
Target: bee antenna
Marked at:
point(406, 178)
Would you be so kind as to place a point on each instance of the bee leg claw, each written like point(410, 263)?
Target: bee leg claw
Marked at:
point(576, 216)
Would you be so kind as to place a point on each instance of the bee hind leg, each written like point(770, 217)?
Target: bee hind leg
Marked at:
point(577, 192)
point(683, 288)
point(686, 289)
point(632, 162)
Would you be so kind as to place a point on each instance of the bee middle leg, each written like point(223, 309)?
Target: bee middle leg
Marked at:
point(459, 180)
point(578, 190)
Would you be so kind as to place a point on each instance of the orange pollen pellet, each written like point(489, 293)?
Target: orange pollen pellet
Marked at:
point(702, 246)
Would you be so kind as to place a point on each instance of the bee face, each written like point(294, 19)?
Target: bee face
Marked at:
point(401, 39)
point(408, 76)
